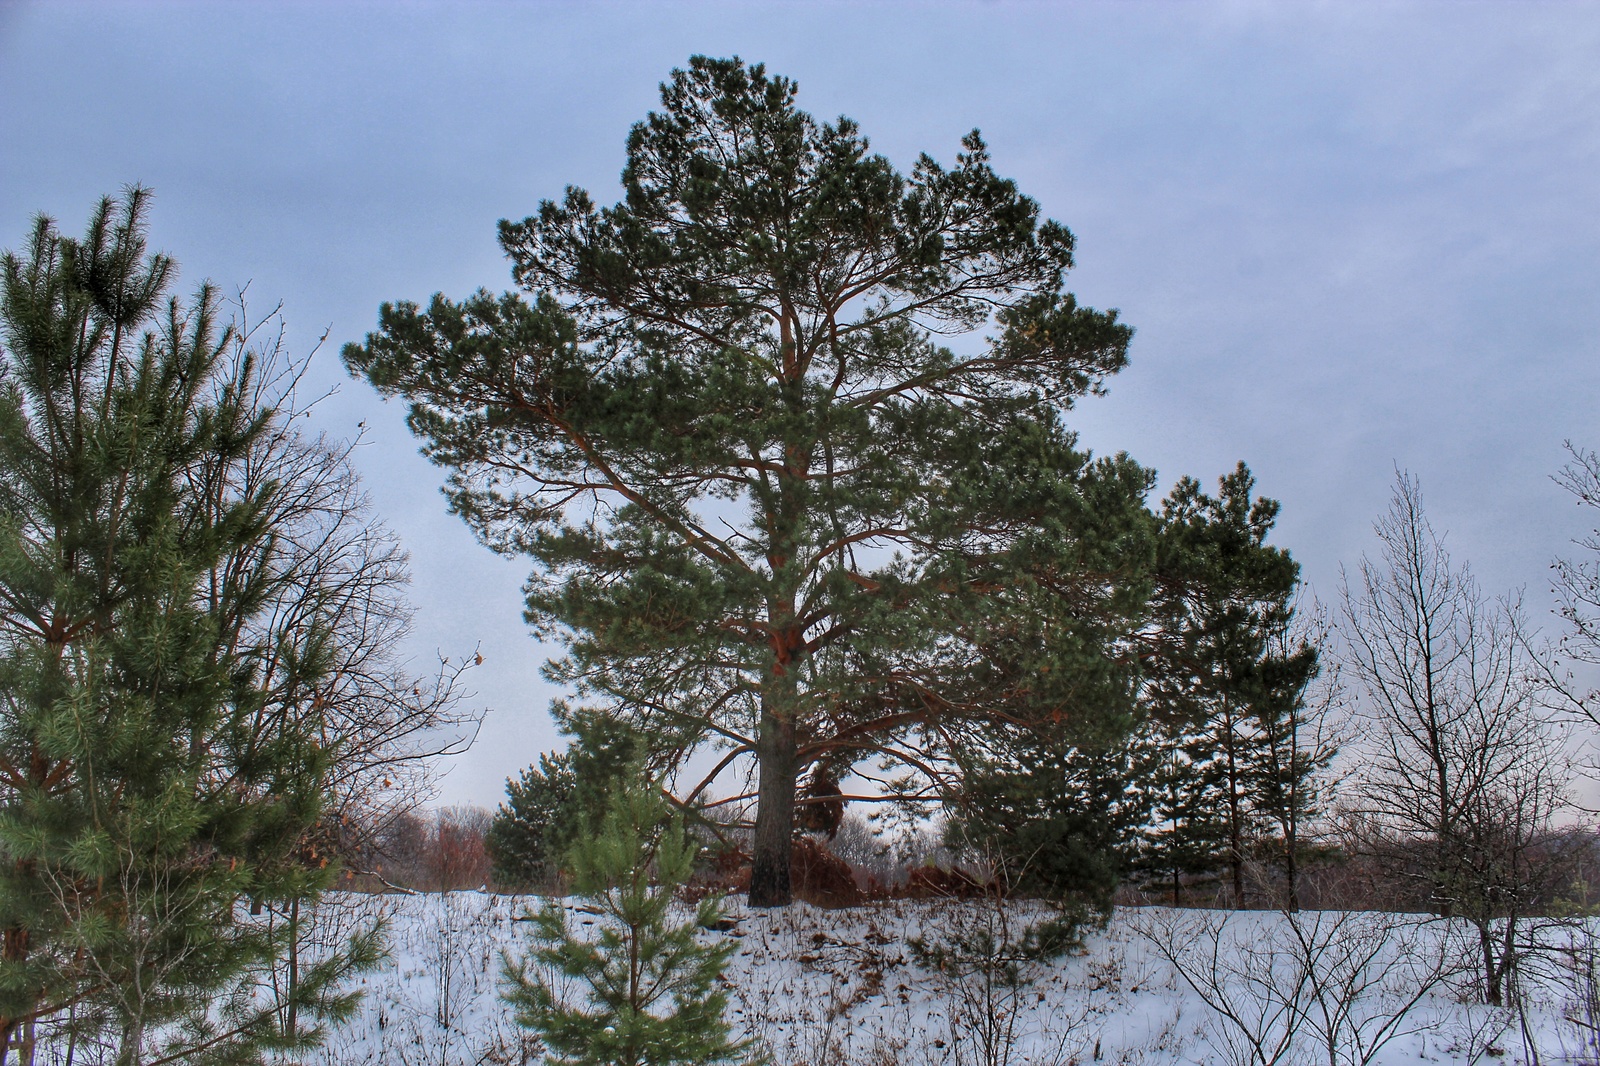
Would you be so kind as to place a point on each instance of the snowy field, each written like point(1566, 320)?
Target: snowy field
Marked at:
point(837, 987)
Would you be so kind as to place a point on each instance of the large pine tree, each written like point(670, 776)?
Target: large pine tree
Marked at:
point(771, 505)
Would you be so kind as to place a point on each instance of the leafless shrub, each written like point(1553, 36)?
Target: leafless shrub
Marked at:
point(448, 968)
point(1254, 990)
point(1366, 974)
point(1336, 985)
point(1581, 958)
point(1562, 967)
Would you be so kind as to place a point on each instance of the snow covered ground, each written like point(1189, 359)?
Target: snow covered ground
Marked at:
point(836, 987)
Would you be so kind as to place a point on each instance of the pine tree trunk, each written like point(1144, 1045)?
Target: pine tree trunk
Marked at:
point(1291, 867)
point(774, 832)
point(1235, 830)
point(291, 1022)
point(777, 759)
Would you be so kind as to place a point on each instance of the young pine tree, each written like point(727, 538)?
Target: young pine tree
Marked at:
point(1188, 830)
point(1053, 818)
point(642, 990)
point(157, 759)
point(527, 832)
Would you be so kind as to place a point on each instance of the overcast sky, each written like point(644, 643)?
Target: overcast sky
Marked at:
point(1350, 237)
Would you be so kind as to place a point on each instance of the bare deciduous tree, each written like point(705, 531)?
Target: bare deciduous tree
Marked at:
point(1466, 766)
point(331, 561)
point(1577, 581)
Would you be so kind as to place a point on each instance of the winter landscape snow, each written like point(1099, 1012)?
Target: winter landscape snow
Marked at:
point(835, 987)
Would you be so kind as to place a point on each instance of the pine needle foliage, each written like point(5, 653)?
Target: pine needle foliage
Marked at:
point(158, 759)
point(1221, 695)
point(643, 989)
point(1193, 761)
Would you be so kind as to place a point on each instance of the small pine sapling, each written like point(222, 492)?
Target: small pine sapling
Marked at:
point(641, 989)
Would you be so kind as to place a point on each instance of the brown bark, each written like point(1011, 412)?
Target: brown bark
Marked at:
point(777, 749)
point(774, 830)
point(15, 1032)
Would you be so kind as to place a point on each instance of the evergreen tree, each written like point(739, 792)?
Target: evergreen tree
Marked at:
point(646, 989)
point(528, 832)
point(547, 804)
point(1296, 711)
point(1179, 780)
point(1187, 832)
point(769, 510)
point(156, 760)
point(1221, 678)
point(1053, 818)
